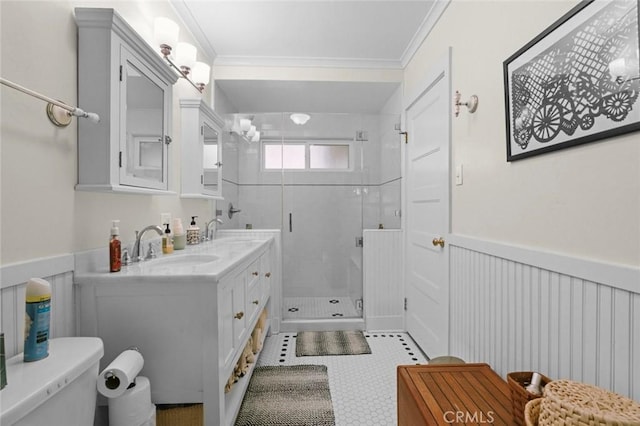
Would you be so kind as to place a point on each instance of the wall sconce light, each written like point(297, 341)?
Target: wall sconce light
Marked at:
point(245, 124)
point(244, 128)
point(299, 118)
point(166, 32)
point(201, 74)
point(471, 104)
point(186, 56)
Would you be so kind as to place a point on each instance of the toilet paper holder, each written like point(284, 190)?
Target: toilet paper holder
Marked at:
point(112, 381)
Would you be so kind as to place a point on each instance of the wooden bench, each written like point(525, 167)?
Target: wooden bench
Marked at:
point(452, 394)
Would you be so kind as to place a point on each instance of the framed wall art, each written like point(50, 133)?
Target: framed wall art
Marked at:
point(577, 82)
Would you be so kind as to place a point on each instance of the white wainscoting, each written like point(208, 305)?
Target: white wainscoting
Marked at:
point(58, 271)
point(382, 280)
point(523, 310)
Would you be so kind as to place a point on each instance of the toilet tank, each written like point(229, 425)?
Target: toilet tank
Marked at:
point(57, 390)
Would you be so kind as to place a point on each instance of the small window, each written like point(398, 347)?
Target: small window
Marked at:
point(329, 157)
point(287, 156)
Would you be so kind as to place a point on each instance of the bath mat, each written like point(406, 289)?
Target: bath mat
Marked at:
point(319, 343)
point(296, 395)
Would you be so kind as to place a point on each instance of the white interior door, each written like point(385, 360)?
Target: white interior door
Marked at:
point(427, 194)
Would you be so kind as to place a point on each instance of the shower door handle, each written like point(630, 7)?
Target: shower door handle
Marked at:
point(290, 222)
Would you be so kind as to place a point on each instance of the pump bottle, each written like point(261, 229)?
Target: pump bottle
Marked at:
point(193, 232)
point(115, 261)
point(167, 243)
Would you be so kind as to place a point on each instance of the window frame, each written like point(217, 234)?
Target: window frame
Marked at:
point(307, 155)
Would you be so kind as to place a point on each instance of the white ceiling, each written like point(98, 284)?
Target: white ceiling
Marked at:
point(335, 33)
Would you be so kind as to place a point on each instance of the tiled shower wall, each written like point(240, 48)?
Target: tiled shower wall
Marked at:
point(523, 310)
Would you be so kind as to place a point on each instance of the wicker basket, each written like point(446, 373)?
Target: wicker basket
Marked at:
point(532, 412)
point(518, 381)
point(572, 403)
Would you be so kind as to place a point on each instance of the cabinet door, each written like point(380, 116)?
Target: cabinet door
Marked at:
point(143, 125)
point(211, 159)
point(201, 150)
point(239, 310)
point(232, 316)
point(225, 321)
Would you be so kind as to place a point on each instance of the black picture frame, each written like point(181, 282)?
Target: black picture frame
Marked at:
point(560, 88)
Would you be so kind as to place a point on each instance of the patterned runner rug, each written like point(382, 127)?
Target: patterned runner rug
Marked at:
point(296, 395)
point(319, 343)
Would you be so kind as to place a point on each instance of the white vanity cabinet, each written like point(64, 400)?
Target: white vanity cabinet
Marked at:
point(190, 329)
point(251, 283)
point(129, 85)
point(201, 150)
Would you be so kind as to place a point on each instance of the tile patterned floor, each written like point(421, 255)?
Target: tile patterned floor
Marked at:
point(363, 387)
point(319, 307)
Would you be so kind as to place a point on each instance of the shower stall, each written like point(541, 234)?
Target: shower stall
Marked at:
point(321, 183)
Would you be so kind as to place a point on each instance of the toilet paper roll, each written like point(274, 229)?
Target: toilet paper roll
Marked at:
point(133, 407)
point(116, 378)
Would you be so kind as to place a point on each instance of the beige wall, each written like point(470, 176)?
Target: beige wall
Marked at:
point(582, 201)
point(40, 213)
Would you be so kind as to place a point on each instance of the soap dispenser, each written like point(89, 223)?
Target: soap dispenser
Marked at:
point(115, 261)
point(167, 243)
point(193, 232)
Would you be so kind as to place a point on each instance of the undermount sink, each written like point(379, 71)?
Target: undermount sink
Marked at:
point(180, 261)
point(188, 259)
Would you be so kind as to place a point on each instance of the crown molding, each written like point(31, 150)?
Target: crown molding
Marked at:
point(429, 21)
point(278, 61)
point(183, 11)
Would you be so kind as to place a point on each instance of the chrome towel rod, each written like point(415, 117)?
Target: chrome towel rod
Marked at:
point(57, 117)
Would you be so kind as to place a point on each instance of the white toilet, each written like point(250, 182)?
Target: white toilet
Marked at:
point(58, 390)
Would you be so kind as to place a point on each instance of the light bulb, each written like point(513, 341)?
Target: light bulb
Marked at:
point(186, 55)
point(201, 73)
point(165, 32)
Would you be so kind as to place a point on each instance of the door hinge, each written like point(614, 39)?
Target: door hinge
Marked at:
point(201, 130)
point(405, 303)
point(120, 159)
point(120, 72)
point(202, 179)
point(359, 242)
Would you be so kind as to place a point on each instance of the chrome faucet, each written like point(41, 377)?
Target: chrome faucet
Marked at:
point(209, 233)
point(136, 255)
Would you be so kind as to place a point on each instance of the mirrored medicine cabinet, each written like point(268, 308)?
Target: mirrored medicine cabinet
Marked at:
point(201, 146)
point(128, 84)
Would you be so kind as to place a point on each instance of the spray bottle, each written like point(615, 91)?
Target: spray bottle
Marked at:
point(37, 319)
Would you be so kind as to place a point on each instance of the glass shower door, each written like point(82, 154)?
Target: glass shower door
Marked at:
point(322, 220)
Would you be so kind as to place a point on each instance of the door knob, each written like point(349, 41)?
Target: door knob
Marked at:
point(438, 242)
point(239, 315)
